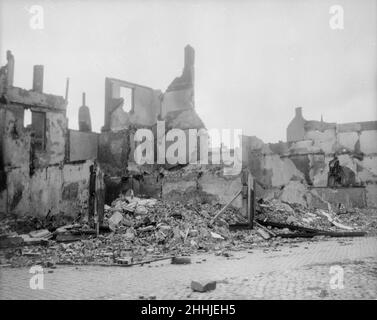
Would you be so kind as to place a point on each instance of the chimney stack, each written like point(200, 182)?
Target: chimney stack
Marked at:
point(10, 68)
point(38, 78)
point(85, 123)
point(299, 112)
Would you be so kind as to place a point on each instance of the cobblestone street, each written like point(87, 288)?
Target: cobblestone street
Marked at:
point(298, 270)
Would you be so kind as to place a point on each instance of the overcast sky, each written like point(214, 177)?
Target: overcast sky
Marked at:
point(255, 60)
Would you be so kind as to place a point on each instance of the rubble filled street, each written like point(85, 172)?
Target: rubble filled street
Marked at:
point(142, 230)
point(188, 150)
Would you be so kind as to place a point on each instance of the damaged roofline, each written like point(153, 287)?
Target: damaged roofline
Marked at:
point(127, 83)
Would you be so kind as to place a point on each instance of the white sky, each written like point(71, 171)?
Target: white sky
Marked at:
point(255, 60)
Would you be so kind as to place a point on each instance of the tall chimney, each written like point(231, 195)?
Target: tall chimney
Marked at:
point(189, 56)
point(38, 78)
point(85, 123)
point(299, 112)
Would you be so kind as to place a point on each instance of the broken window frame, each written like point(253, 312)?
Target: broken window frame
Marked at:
point(132, 89)
point(38, 141)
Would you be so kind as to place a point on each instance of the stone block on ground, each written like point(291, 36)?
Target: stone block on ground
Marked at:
point(180, 260)
point(44, 233)
point(124, 260)
point(264, 234)
point(203, 285)
point(115, 220)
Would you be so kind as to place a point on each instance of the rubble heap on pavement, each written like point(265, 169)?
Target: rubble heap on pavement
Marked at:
point(137, 230)
point(327, 220)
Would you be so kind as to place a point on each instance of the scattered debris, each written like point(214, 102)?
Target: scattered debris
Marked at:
point(276, 214)
point(126, 260)
point(44, 233)
point(10, 241)
point(139, 231)
point(265, 235)
point(335, 223)
point(216, 236)
point(203, 286)
point(180, 260)
point(115, 220)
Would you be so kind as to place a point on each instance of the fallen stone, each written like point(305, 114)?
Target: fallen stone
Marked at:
point(31, 254)
point(49, 264)
point(61, 230)
point(203, 286)
point(193, 243)
point(291, 220)
point(141, 210)
point(125, 260)
point(165, 228)
point(130, 234)
point(115, 220)
point(180, 260)
point(264, 234)
point(29, 241)
point(193, 233)
point(44, 233)
point(67, 237)
point(216, 236)
point(285, 207)
point(147, 228)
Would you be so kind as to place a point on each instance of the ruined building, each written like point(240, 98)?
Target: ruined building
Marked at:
point(147, 105)
point(305, 157)
point(129, 106)
point(45, 168)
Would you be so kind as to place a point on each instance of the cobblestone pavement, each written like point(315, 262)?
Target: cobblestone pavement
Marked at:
point(300, 270)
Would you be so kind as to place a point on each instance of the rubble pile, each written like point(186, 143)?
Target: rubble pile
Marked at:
point(137, 230)
point(299, 215)
point(140, 230)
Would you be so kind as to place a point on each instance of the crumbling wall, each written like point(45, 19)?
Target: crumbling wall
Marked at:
point(204, 184)
point(38, 177)
point(145, 107)
point(180, 93)
point(271, 170)
point(34, 181)
point(307, 161)
point(354, 144)
point(82, 145)
point(116, 143)
point(113, 152)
